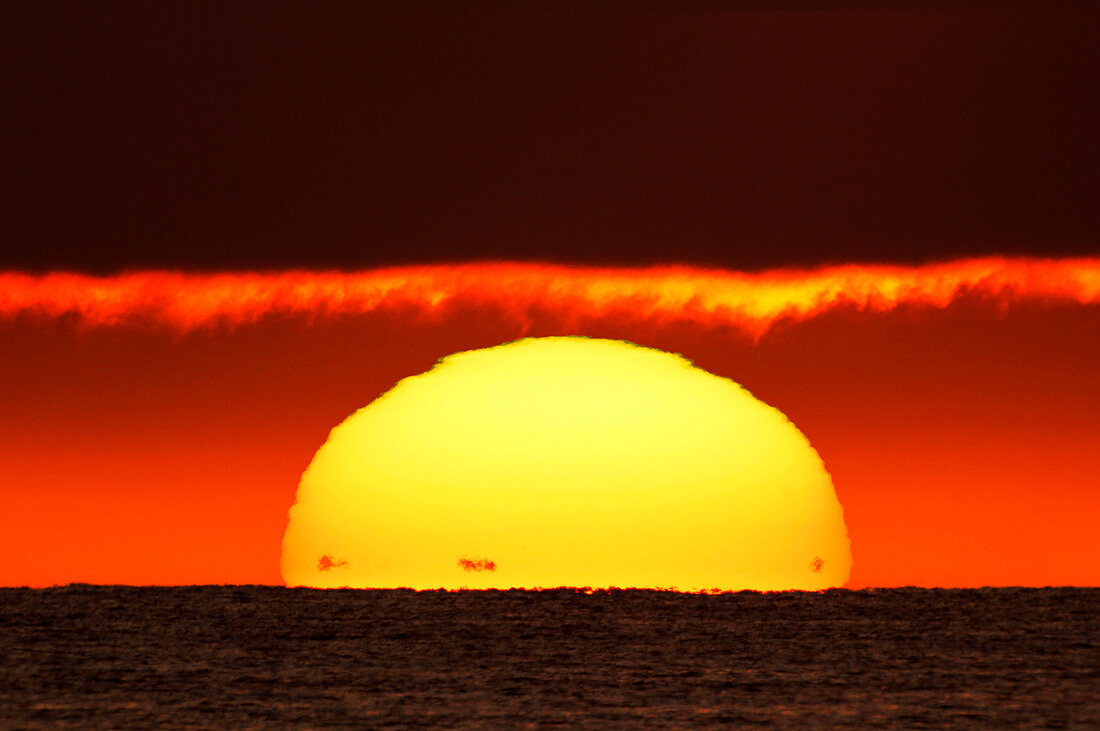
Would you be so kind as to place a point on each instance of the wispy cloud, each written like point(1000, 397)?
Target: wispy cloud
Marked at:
point(751, 301)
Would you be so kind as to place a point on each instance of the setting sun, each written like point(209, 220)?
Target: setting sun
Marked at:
point(567, 461)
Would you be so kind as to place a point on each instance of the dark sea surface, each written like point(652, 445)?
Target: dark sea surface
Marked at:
point(90, 656)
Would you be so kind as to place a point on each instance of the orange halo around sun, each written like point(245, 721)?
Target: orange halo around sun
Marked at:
point(566, 462)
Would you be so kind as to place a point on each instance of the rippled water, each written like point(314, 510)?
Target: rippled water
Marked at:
point(233, 656)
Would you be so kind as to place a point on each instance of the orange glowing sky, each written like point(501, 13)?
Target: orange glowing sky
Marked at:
point(155, 424)
point(224, 233)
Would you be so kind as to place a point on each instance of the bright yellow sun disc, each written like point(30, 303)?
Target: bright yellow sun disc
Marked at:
point(566, 462)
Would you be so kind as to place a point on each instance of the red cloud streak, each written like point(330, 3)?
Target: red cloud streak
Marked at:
point(751, 301)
